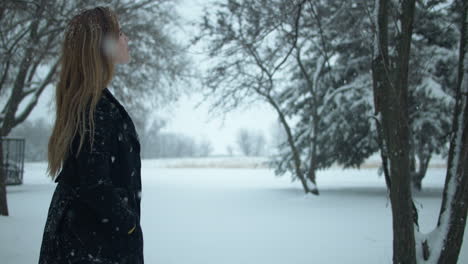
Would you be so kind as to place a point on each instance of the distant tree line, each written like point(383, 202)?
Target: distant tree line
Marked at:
point(174, 145)
point(154, 142)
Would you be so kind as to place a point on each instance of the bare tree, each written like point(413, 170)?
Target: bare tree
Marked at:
point(250, 143)
point(244, 143)
point(259, 144)
point(204, 148)
point(250, 68)
point(28, 48)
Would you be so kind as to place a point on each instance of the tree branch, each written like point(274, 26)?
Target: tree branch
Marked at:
point(36, 96)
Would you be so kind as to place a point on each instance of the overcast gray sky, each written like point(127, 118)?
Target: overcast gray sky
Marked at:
point(184, 117)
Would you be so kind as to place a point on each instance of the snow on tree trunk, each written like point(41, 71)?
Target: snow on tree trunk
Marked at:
point(443, 244)
point(311, 181)
point(445, 241)
point(452, 219)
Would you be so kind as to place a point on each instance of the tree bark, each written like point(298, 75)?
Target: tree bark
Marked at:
point(456, 201)
point(3, 193)
point(398, 138)
point(459, 205)
point(311, 175)
point(391, 93)
point(312, 87)
point(296, 158)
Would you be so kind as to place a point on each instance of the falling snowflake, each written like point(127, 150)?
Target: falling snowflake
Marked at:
point(139, 194)
point(112, 159)
point(120, 136)
point(105, 220)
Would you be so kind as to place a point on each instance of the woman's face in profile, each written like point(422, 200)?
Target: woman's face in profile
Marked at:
point(122, 55)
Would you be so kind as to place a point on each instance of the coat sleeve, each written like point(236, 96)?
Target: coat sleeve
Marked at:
point(96, 189)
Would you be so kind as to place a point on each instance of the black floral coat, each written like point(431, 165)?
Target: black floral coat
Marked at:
point(94, 215)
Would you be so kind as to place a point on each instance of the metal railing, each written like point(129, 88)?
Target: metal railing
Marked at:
point(13, 159)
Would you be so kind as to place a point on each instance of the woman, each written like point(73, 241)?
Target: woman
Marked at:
point(94, 152)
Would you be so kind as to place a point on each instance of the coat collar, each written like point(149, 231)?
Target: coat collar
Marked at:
point(106, 93)
point(114, 100)
point(122, 110)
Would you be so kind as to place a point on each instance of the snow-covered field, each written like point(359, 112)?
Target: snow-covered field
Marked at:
point(239, 216)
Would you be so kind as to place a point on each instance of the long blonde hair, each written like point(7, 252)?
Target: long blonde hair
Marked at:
point(86, 69)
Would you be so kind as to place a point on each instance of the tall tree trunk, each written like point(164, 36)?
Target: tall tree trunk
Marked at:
point(311, 175)
point(312, 84)
point(452, 218)
point(3, 194)
point(397, 137)
point(456, 206)
point(391, 93)
point(292, 145)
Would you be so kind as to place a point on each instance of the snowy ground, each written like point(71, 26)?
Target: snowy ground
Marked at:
point(239, 216)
